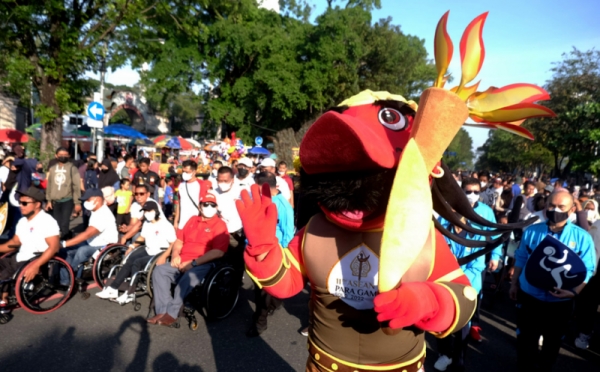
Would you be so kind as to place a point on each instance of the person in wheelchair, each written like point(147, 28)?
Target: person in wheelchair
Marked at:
point(36, 232)
point(203, 240)
point(157, 234)
point(141, 195)
point(102, 231)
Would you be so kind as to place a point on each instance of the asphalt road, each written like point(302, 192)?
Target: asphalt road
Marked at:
point(96, 335)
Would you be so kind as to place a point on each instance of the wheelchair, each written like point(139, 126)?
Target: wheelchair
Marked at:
point(214, 298)
point(43, 294)
point(142, 278)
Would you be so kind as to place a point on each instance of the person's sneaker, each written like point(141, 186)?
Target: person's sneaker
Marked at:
point(541, 341)
point(304, 332)
point(583, 341)
point(125, 298)
point(442, 363)
point(108, 293)
point(475, 333)
point(4, 308)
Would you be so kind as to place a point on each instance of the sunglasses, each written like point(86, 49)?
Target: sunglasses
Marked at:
point(139, 194)
point(471, 192)
point(26, 203)
point(209, 205)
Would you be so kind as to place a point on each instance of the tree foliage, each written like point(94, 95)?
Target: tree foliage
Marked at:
point(459, 154)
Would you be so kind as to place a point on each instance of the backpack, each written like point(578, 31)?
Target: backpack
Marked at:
point(91, 179)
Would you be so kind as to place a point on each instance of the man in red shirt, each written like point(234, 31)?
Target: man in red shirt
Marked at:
point(203, 239)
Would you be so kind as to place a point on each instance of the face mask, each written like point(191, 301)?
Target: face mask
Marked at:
point(591, 216)
point(62, 159)
point(89, 205)
point(150, 215)
point(186, 176)
point(483, 184)
point(214, 172)
point(556, 216)
point(243, 172)
point(209, 212)
point(104, 170)
point(225, 186)
point(281, 173)
point(459, 183)
point(473, 198)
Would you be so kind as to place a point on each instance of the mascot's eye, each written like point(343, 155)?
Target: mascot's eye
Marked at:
point(392, 119)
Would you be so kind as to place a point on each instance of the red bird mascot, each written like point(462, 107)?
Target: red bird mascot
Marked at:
point(380, 270)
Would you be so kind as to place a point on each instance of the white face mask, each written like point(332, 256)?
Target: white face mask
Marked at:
point(225, 186)
point(89, 205)
point(186, 176)
point(214, 172)
point(473, 198)
point(209, 212)
point(150, 216)
point(591, 216)
point(483, 184)
point(281, 173)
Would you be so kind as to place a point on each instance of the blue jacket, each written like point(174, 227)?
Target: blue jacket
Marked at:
point(486, 212)
point(572, 236)
point(474, 268)
point(285, 220)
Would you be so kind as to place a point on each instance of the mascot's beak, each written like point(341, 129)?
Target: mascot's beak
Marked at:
point(408, 225)
point(343, 143)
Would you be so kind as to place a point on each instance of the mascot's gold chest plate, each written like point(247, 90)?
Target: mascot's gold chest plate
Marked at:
point(354, 277)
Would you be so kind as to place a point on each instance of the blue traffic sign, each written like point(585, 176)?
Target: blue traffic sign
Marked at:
point(258, 141)
point(95, 111)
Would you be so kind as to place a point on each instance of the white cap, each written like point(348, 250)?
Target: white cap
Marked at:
point(245, 161)
point(268, 162)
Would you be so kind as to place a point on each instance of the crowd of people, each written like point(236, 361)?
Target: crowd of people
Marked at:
point(185, 208)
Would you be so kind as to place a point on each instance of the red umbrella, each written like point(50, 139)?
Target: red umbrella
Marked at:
point(185, 145)
point(12, 136)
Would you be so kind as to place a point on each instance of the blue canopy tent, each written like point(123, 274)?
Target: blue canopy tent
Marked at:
point(122, 130)
point(259, 150)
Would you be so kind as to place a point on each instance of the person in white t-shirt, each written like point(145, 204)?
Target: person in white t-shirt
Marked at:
point(244, 178)
point(268, 165)
point(189, 194)
point(158, 235)
point(4, 171)
point(141, 194)
point(36, 232)
point(102, 231)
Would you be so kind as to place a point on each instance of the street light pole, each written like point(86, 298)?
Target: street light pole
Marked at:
point(100, 148)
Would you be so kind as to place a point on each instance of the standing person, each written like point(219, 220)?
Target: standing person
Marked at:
point(63, 191)
point(541, 312)
point(4, 172)
point(124, 198)
point(227, 193)
point(202, 240)
point(213, 174)
point(157, 235)
point(265, 303)
point(108, 175)
point(127, 166)
point(244, 178)
point(282, 172)
point(25, 167)
point(268, 165)
point(168, 199)
point(189, 195)
point(453, 348)
point(147, 176)
point(101, 231)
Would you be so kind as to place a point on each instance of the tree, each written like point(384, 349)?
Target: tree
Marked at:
point(50, 44)
point(575, 94)
point(459, 153)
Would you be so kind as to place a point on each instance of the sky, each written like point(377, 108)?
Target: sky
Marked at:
point(522, 37)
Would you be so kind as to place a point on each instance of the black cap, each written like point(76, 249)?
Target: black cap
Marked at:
point(150, 206)
point(91, 193)
point(34, 193)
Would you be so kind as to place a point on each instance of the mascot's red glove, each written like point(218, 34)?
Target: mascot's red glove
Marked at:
point(259, 218)
point(415, 303)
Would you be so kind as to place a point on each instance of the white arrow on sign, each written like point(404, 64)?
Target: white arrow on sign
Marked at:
point(96, 111)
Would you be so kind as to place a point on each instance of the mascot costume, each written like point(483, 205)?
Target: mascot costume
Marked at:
point(380, 271)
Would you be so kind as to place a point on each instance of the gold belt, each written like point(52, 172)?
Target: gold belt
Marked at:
point(331, 363)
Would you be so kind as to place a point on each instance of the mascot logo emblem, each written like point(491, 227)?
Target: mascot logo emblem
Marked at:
point(360, 266)
point(554, 264)
point(354, 278)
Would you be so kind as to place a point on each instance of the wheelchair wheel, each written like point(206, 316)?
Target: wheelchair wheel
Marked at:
point(44, 293)
point(220, 292)
point(110, 256)
point(149, 271)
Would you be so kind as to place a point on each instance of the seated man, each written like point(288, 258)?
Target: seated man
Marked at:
point(101, 231)
point(36, 232)
point(141, 194)
point(203, 239)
